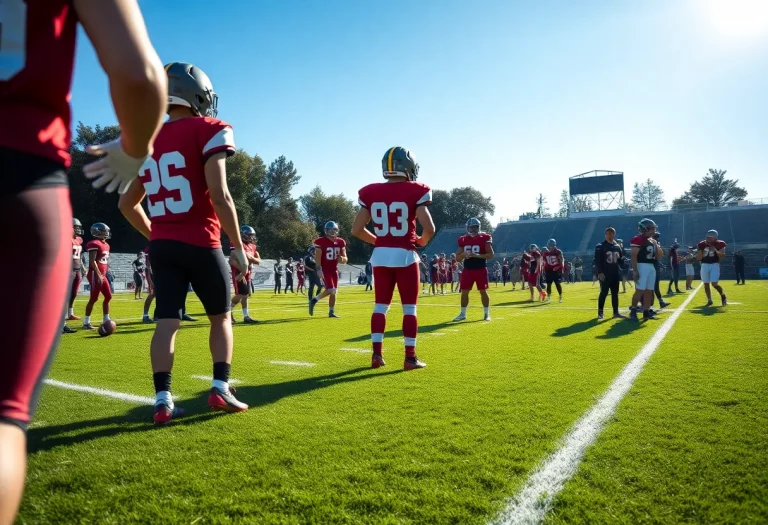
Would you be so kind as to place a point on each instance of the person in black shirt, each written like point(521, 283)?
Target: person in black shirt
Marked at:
point(289, 275)
point(278, 275)
point(310, 266)
point(656, 287)
point(674, 268)
point(139, 269)
point(368, 276)
point(609, 256)
point(739, 263)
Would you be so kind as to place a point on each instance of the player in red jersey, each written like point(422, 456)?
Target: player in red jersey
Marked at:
point(710, 251)
point(553, 268)
point(525, 265)
point(38, 46)
point(241, 281)
point(475, 249)
point(98, 264)
point(185, 182)
point(394, 207)
point(645, 250)
point(329, 251)
point(535, 267)
point(78, 272)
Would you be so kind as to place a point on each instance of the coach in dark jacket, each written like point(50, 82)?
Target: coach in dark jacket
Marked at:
point(739, 263)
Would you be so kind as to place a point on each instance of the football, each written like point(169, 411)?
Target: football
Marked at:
point(107, 328)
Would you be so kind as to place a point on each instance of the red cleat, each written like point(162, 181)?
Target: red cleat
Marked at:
point(413, 363)
point(73, 317)
point(225, 402)
point(163, 414)
point(377, 361)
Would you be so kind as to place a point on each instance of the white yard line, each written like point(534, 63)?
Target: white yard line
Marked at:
point(358, 350)
point(535, 499)
point(209, 378)
point(291, 363)
point(130, 398)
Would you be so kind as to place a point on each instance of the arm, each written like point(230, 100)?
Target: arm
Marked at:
point(318, 265)
point(720, 253)
point(488, 252)
point(94, 266)
point(362, 218)
point(130, 206)
point(635, 251)
point(216, 180)
point(343, 256)
point(599, 261)
point(460, 254)
point(256, 259)
point(699, 254)
point(427, 225)
point(137, 81)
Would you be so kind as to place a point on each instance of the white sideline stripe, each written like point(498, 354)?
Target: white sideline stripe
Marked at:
point(358, 350)
point(130, 398)
point(291, 363)
point(437, 333)
point(209, 378)
point(536, 497)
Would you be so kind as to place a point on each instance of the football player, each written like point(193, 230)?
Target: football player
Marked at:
point(240, 279)
point(609, 257)
point(78, 272)
point(38, 48)
point(674, 268)
point(657, 266)
point(475, 249)
point(329, 250)
point(434, 271)
point(310, 263)
point(690, 269)
point(185, 182)
point(625, 268)
point(300, 276)
point(645, 250)
point(98, 264)
point(139, 271)
point(710, 251)
point(535, 266)
point(525, 265)
point(394, 207)
point(150, 289)
point(553, 268)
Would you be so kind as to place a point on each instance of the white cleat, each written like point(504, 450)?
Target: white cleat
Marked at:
point(561, 299)
point(460, 317)
point(487, 317)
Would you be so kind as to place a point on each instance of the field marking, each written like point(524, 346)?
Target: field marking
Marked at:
point(291, 363)
point(209, 378)
point(437, 333)
point(130, 398)
point(535, 499)
point(358, 350)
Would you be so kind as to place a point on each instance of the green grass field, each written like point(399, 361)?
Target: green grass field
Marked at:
point(337, 442)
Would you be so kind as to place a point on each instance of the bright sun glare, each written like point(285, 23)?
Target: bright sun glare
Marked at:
point(736, 19)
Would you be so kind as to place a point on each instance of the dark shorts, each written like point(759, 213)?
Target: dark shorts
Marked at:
point(33, 194)
point(138, 280)
point(552, 276)
point(177, 265)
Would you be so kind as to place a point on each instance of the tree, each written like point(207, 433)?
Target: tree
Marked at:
point(713, 190)
point(244, 175)
point(582, 203)
point(563, 207)
point(282, 233)
point(459, 204)
point(647, 196)
point(542, 210)
point(275, 188)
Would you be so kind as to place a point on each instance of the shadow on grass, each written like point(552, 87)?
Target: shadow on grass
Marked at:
point(139, 419)
point(186, 325)
point(575, 328)
point(399, 333)
point(621, 328)
point(706, 310)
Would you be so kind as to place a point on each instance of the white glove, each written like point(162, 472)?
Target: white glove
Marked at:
point(115, 169)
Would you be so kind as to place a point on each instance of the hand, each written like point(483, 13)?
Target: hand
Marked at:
point(601, 276)
point(241, 277)
point(99, 280)
point(115, 169)
point(240, 259)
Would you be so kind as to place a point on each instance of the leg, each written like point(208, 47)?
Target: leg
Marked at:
point(604, 288)
point(94, 296)
point(32, 335)
point(106, 291)
point(76, 280)
point(614, 286)
point(385, 289)
point(408, 288)
point(559, 288)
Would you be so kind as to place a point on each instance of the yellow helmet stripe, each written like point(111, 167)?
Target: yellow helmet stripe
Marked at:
point(389, 159)
point(168, 66)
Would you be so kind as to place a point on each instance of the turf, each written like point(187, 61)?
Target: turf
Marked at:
point(337, 442)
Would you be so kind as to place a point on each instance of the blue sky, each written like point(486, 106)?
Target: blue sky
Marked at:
point(509, 97)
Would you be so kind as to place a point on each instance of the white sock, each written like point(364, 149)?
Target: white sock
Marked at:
point(146, 313)
point(71, 311)
point(164, 397)
point(245, 312)
point(221, 385)
point(87, 319)
point(463, 310)
point(487, 310)
point(106, 317)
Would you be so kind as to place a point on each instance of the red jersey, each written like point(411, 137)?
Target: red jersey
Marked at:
point(392, 206)
point(646, 250)
point(709, 250)
point(77, 250)
point(300, 270)
point(331, 250)
point(475, 244)
point(250, 250)
point(102, 255)
point(525, 262)
point(37, 49)
point(178, 200)
point(534, 258)
point(552, 260)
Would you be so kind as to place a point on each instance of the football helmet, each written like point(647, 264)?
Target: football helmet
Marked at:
point(646, 227)
point(311, 249)
point(551, 244)
point(101, 231)
point(77, 226)
point(619, 241)
point(247, 233)
point(399, 162)
point(331, 229)
point(533, 247)
point(656, 235)
point(712, 235)
point(473, 226)
point(189, 86)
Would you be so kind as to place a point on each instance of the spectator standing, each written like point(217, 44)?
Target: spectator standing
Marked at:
point(690, 271)
point(578, 266)
point(139, 271)
point(739, 264)
point(368, 276)
point(289, 275)
point(278, 275)
point(674, 268)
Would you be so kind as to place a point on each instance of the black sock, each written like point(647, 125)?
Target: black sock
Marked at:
point(221, 371)
point(162, 381)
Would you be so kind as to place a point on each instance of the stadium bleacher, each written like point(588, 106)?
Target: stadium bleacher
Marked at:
point(744, 228)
